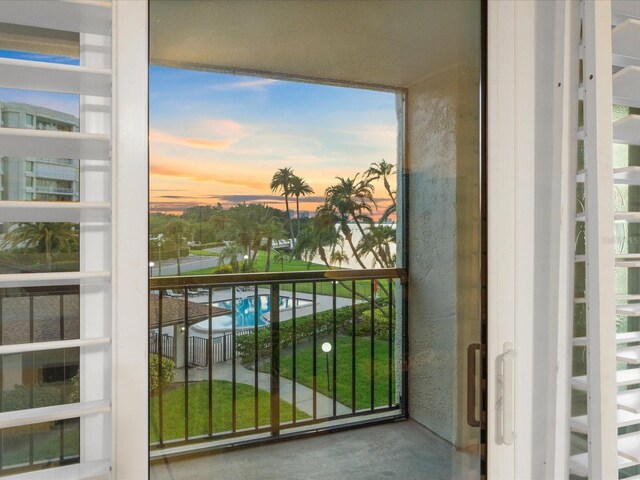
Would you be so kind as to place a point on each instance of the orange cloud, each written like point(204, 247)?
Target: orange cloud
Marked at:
point(198, 176)
point(156, 136)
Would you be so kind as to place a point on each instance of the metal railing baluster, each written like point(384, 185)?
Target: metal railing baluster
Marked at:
point(372, 360)
point(390, 373)
point(275, 359)
point(160, 344)
point(293, 351)
point(210, 358)
point(353, 347)
point(233, 360)
point(256, 411)
point(315, 346)
point(186, 364)
point(334, 349)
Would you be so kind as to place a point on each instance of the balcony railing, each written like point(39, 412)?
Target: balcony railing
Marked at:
point(249, 352)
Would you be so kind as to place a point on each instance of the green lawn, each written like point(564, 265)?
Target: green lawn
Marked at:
point(363, 288)
point(46, 442)
point(174, 415)
point(204, 253)
point(304, 370)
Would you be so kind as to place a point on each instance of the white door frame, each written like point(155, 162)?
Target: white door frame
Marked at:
point(130, 219)
point(510, 224)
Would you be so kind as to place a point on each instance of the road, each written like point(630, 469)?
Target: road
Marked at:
point(187, 264)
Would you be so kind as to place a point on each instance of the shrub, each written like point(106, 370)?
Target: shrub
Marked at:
point(222, 269)
point(245, 344)
point(19, 398)
point(380, 324)
point(168, 371)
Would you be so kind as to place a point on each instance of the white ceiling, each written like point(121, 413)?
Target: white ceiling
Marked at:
point(385, 42)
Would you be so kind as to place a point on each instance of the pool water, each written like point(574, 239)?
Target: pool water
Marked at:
point(245, 312)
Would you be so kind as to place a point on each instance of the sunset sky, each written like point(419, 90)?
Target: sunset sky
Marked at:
point(217, 137)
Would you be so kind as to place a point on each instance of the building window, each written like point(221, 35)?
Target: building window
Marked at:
point(28, 166)
point(29, 119)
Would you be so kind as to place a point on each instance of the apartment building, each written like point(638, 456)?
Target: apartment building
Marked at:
point(38, 178)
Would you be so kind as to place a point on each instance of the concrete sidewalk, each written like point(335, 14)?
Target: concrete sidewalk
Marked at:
point(304, 395)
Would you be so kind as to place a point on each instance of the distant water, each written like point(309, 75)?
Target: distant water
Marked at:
point(357, 236)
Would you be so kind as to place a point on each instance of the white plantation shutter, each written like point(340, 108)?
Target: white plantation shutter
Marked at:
point(92, 81)
point(610, 53)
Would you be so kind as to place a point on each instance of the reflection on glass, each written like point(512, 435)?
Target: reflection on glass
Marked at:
point(40, 379)
point(42, 179)
point(42, 445)
point(39, 247)
point(39, 314)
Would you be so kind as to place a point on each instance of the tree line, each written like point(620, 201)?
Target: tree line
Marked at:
point(243, 230)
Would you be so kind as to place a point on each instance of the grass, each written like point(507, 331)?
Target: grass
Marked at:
point(174, 414)
point(204, 253)
point(363, 288)
point(304, 370)
point(46, 442)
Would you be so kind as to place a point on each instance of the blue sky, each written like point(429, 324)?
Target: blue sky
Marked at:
point(217, 137)
point(56, 101)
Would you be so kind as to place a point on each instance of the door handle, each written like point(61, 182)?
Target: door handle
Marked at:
point(504, 395)
point(472, 421)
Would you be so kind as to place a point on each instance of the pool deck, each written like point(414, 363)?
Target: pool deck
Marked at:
point(323, 303)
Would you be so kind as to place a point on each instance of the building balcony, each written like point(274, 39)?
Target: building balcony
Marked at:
point(237, 371)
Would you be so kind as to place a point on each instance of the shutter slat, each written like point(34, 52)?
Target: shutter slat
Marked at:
point(579, 464)
point(51, 414)
point(626, 337)
point(15, 142)
point(623, 378)
point(68, 16)
point(625, 419)
point(32, 211)
point(54, 345)
point(54, 77)
point(625, 42)
point(627, 130)
point(629, 355)
point(626, 87)
point(45, 279)
point(629, 401)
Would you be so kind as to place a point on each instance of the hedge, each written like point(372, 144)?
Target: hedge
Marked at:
point(245, 344)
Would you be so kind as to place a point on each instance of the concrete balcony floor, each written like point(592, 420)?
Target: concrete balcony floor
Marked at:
point(401, 450)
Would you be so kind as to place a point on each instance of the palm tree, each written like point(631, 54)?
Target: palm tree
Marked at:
point(382, 170)
point(242, 225)
point(281, 257)
point(177, 230)
point(231, 252)
point(351, 198)
point(378, 239)
point(272, 230)
point(318, 238)
point(338, 257)
point(281, 181)
point(45, 237)
point(297, 187)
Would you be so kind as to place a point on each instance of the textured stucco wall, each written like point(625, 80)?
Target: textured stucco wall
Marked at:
point(443, 221)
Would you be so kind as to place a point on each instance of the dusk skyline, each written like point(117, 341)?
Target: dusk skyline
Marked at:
point(218, 138)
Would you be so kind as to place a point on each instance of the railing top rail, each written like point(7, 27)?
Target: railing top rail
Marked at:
point(264, 278)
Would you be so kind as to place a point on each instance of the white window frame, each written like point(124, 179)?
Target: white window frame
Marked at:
point(130, 441)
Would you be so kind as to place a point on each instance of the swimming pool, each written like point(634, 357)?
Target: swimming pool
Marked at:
point(245, 312)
